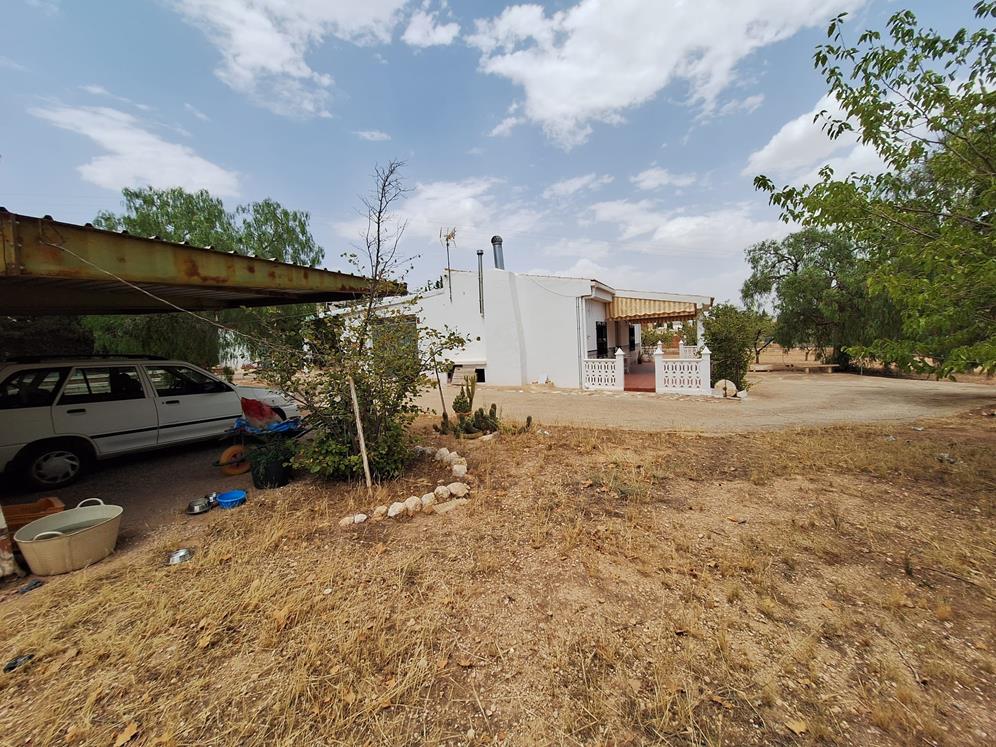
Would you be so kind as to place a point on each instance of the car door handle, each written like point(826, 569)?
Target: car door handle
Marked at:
point(171, 402)
point(77, 411)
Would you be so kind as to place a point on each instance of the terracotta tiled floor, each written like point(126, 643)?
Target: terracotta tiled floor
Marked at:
point(640, 378)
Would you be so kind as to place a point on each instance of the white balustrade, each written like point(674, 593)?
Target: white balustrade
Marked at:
point(688, 351)
point(604, 373)
point(684, 375)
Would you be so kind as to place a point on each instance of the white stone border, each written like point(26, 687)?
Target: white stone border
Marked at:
point(440, 501)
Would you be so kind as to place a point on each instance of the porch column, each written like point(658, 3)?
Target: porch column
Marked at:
point(620, 369)
point(699, 331)
point(705, 369)
point(658, 367)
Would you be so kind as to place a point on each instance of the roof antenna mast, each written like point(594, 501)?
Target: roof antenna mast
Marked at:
point(446, 236)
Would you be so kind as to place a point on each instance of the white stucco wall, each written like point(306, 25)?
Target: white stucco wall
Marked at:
point(529, 331)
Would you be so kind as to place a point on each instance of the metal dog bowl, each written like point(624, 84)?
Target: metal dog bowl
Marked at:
point(202, 505)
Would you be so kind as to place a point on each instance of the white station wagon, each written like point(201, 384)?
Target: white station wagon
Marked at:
point(59, 415)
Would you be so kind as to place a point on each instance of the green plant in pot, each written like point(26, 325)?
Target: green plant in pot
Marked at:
point(269, 461)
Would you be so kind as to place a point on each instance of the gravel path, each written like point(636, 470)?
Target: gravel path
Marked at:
point(776, 400)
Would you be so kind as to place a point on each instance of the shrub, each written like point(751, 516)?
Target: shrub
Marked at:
point(729, 335)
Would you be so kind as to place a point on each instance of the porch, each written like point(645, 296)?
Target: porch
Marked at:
point(620, 361)
point(685, 371)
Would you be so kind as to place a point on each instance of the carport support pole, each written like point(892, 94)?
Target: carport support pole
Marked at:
point(359, 431)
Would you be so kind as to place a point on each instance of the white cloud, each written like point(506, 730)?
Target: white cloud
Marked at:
point(505, 127)
point(595, 60)
point(800, 148)
point(264, 44)
point(581, 248)
point(197, 112)
point(722, 232)
point(96, 90)
point(473, 205)
point(8, 64)
point(423, 31)
point(567, 187)
point(372, 135)
point(747, 105)
point(656, 177)
point(135, 156)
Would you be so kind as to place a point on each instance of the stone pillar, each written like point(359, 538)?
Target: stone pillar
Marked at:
point(620, 368)
point(705, 369)
point(658, 366)
point(699, 332)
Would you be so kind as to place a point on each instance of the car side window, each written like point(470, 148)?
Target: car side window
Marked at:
point(175, 381)
point(35, 387)
point(104, 384)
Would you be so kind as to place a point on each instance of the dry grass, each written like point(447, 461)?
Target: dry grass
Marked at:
point(601, 588)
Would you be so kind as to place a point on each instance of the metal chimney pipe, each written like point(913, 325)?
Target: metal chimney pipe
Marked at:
point(480, 277)
point(499, 256)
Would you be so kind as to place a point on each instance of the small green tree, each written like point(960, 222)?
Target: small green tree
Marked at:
point(370, 345)
point(729, 334)
point(651, 336)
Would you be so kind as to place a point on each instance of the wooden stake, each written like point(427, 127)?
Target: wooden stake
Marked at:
point(359, 431)
point(439, 384)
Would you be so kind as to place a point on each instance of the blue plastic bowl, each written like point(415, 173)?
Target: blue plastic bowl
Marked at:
point(231, 498)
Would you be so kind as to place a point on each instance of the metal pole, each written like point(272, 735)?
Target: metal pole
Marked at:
point(449, 271)
point(480, 277)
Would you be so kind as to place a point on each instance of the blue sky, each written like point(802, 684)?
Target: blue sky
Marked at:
point(615, 140)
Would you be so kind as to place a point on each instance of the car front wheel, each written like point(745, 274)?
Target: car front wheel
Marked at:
point(54, 465)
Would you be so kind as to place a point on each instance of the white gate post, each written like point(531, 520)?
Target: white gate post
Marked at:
point(705, 369)
point(658, 365)
point(620, 369)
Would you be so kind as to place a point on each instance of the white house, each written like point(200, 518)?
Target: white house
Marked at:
point(571, 332)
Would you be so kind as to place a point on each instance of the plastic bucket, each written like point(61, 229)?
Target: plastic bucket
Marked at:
point(70, 540)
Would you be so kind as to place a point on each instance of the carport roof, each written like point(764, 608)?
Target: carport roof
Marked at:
point(51, 267)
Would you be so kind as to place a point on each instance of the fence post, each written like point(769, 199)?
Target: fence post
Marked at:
point(705, 369)
point(620, 369)
point(658, 367)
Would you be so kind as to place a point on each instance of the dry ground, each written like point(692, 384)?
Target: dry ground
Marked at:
point(776, 400)
point(602, 587)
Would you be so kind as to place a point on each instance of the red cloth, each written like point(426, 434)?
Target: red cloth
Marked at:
point(258, 414)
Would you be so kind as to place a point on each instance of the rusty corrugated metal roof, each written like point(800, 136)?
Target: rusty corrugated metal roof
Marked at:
point(51, 267)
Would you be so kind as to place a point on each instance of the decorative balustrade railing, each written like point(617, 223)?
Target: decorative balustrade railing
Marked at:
point(688, 351)
point(684, 375)
point(604, 373)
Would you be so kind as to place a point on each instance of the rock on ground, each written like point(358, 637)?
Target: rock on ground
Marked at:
point(443, 454)
point(443, 508)
point(459, 470)
point(458, 489)
point(428, 500)
point(380, 512)
point(360, 518)
point(397, 508)
point(413, 505)
point(442, 492)
point(346, 521)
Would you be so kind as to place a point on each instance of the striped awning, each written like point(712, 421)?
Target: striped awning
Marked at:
point(649, 310)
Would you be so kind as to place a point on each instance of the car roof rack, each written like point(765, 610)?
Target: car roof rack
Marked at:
point(73, 356)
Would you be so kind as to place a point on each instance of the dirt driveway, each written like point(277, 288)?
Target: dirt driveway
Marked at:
point(776, 400)
point(154, 487)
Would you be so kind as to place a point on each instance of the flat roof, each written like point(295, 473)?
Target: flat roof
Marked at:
point(50, 267)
